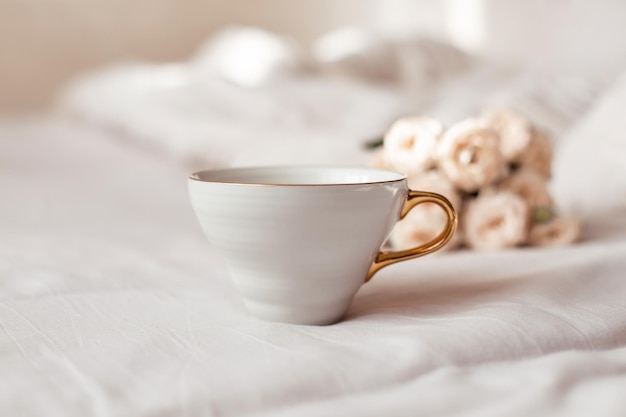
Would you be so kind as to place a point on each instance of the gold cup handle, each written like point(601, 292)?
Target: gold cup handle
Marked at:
point(413, 199)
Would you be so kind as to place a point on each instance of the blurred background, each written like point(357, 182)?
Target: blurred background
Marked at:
point(211, 83)
point(44, 43)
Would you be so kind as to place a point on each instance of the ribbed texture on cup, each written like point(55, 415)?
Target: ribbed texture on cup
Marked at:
point(297, 254)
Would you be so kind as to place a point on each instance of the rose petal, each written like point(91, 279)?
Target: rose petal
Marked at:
point(409, 145)
point(559, 232)
point(436, 182)
point(530, 186)
point(514, 132)
point(495, 220)
point(538, 155)
point(469, 155)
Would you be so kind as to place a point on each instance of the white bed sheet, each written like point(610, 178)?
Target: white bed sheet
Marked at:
point(113, 304)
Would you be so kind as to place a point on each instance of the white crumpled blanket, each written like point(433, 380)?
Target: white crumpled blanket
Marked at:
point(113, 304)
point(252, 97)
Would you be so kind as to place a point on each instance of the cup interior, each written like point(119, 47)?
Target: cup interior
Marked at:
point(302, 175)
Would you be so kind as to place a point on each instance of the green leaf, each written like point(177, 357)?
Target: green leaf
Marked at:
point(543, 214)
point(374, 143)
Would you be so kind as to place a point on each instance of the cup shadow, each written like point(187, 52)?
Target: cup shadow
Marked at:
point(422, 297)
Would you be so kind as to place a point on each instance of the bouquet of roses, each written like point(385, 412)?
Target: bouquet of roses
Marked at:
point(494, 170)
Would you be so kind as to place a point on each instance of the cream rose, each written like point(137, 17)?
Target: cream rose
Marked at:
point(436, 182)
point(495, 220)
point(538, 155)
point(409, 145)
point(559, 231)
point(470, 156)
point(513, 130)
point(530, 186)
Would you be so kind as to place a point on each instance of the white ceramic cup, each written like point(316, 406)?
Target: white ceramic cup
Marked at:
point(300, 241)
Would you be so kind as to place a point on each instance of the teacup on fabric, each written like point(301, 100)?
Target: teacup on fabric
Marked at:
point(300, 241)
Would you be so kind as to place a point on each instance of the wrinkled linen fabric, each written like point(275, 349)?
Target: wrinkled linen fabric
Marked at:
point(112, 303)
